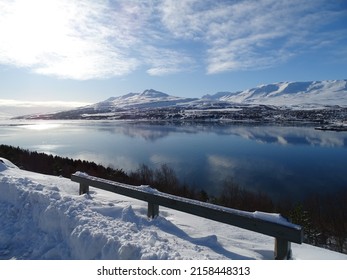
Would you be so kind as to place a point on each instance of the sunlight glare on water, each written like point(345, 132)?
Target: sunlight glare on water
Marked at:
point(41, 126)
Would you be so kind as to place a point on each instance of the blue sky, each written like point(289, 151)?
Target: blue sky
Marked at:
point(89, 50)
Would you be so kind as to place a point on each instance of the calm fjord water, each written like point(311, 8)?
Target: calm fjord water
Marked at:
point(280, 161)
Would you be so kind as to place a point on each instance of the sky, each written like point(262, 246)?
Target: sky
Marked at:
point(90, 50)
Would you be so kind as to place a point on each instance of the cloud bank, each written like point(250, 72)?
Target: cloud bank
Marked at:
point(87, 39)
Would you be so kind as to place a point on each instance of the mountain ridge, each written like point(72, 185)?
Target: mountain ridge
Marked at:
point(315, 102)
point(147, 98)
point(327, 92)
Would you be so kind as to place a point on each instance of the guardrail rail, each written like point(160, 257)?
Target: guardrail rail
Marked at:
point(282, 230)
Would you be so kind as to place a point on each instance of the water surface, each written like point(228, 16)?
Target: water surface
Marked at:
point(280, 161)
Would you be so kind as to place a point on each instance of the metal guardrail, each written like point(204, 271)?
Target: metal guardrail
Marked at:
point(283, 232)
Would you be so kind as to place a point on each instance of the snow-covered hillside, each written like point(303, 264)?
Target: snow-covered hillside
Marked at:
point(277, 94)
point(43, 217)
point(250, 104)
point(289, 94)
point(147, 99)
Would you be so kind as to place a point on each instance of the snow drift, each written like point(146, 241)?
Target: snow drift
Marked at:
point(43, 217)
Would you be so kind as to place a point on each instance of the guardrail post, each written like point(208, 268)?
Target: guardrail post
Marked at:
point(284, 233)
point(153, 210)
point(84, 188)
point(283, 249)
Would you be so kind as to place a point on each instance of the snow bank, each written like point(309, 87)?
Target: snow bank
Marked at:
point(5, 164)
point(42, 217)
point(41, 222)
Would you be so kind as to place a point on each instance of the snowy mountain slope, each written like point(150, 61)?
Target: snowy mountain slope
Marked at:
point(289, 94)
point(148, 99)
point(42, 217)
point(327, 93)
point(253, 104)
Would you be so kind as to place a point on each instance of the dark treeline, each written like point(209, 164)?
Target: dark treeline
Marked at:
point(324, 218)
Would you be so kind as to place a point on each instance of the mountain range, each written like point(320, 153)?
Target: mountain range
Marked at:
point(263, 102)
point(283, 94)
point(289, 94)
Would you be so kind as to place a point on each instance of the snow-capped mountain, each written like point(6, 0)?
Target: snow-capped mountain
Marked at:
point(317, 93)
point(263, 103)
point(150, 98)
point(289, 94)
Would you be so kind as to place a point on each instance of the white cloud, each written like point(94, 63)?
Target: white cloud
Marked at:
point(164, 61)
point(17, 103)
point(10, 108)
point(69, 39)
point(87, 39)
point(244, 35)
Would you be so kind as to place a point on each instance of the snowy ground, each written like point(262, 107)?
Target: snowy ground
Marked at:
point(43, 217)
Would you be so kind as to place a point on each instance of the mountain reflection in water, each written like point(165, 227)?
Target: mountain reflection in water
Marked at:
point(281, 161)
